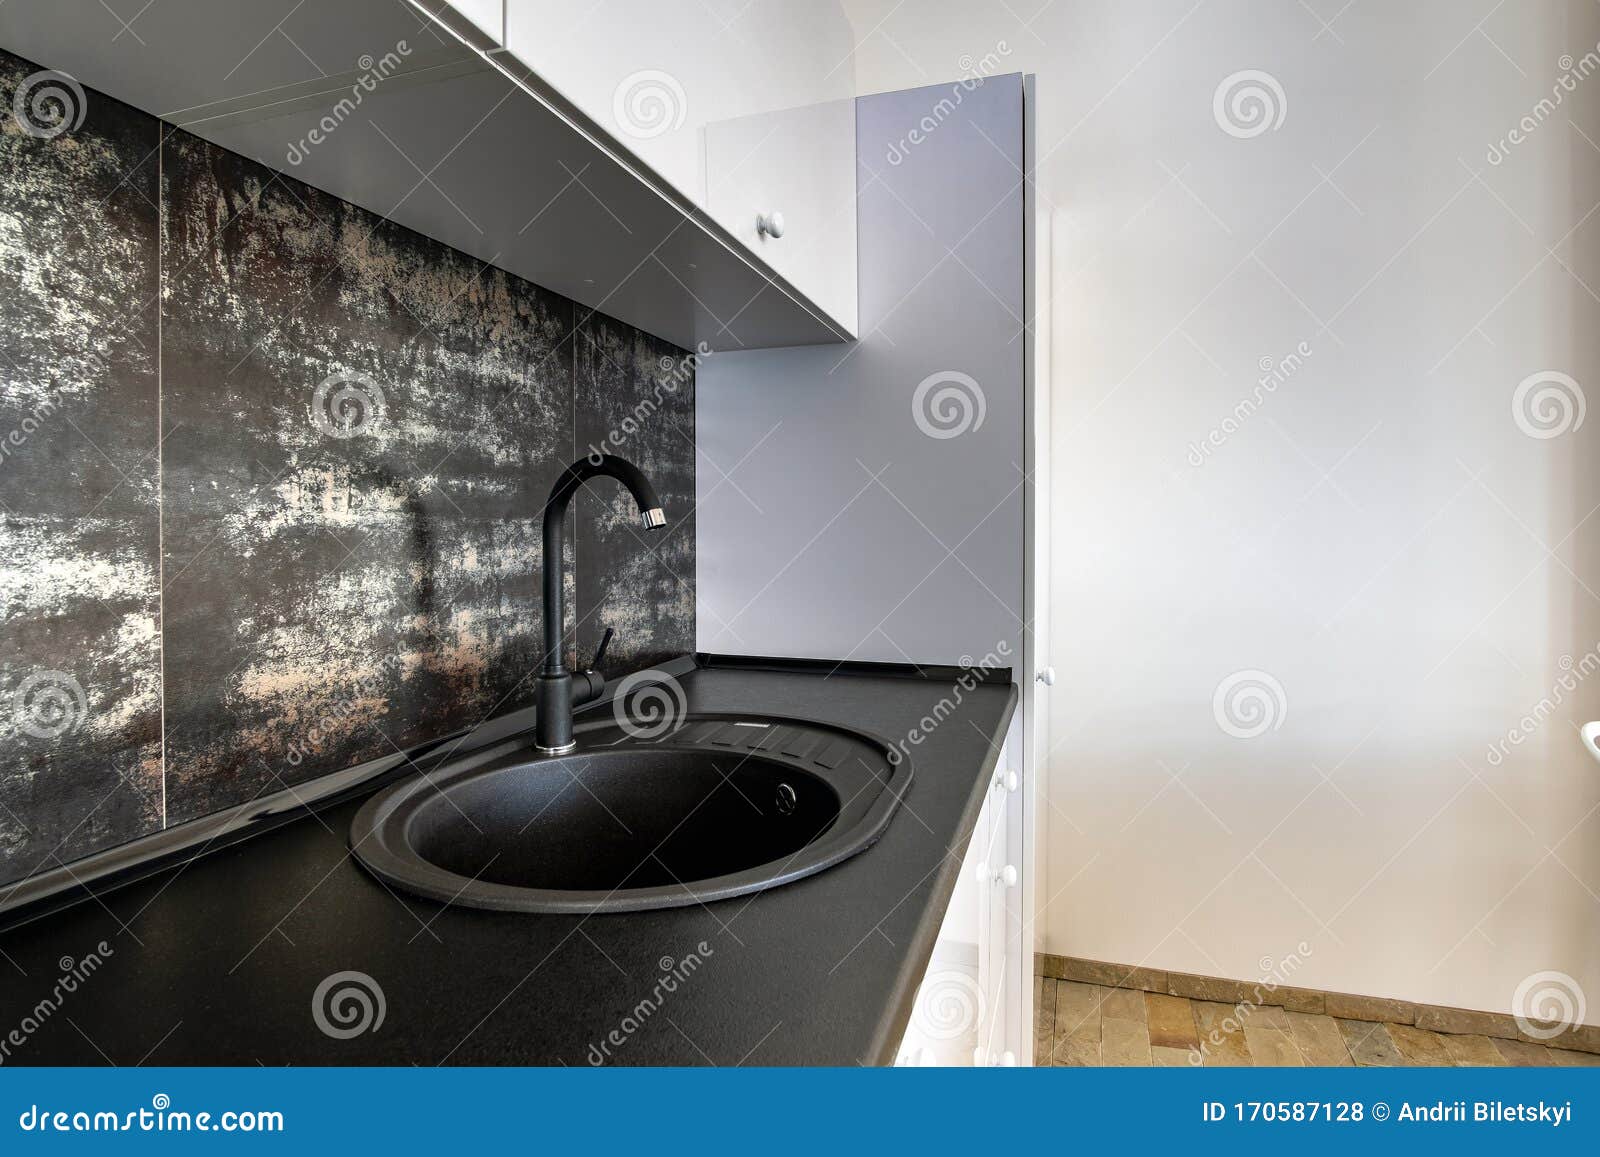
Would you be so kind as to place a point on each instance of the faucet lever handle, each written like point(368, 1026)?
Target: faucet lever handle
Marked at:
point(600, 651)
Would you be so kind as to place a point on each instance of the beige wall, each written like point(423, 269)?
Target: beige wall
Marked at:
point(1379, 538)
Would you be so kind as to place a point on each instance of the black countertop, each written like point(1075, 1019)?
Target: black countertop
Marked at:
point(217, 962)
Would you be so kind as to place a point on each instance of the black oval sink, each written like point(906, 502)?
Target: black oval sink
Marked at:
point(722, 806)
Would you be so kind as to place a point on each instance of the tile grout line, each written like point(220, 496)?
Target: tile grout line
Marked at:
point(161, 478)
point(577, 567)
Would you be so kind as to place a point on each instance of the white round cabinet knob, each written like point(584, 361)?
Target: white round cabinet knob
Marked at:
point(1007, 780)
point(770, 224)
point(1047, 676)
point(1007, 876)
point(1591, 738)
point(1008, 1059)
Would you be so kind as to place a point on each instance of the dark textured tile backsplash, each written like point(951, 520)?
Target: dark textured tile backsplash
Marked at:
point(271, 471)
point(630, 388)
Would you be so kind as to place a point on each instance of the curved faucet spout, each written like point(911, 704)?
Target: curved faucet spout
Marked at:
point(554, 729)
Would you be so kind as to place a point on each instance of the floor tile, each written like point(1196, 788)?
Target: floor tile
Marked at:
point(1266, 1016)
point(1419, 1047)
point(1121, 1004)
point(1077, 1010)
point(1272, 1048)
point(1319, 1040)
point(1470, 1050)
point(1124, 1042)
point(1573, 1057)
point(1222, 1039)
point(1171, 1021)
point(1077, 1052)
point(1163, 1057)
point(1044, 1018)
point(1369, 1043)
point(1524, 1055)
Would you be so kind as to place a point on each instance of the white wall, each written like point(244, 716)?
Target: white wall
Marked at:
point(1379, 536)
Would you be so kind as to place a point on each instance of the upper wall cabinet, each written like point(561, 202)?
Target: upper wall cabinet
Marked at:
point(536, 151)
point(745, 107)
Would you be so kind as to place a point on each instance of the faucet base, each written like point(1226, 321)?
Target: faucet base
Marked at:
point(562, 750)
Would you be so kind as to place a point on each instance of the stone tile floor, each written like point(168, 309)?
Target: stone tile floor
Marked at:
point(1090, 1024)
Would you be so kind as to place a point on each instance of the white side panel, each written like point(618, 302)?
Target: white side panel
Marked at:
point(954, 1012)
point(866, 502)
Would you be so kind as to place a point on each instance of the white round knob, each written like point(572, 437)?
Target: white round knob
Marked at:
point(770, 223)
point(980, 1057)
point(982, 872)
point(1008, 1059)
point(1591, 738)
point(1007, 876)
point(1047, 676)
point(1007, 780)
